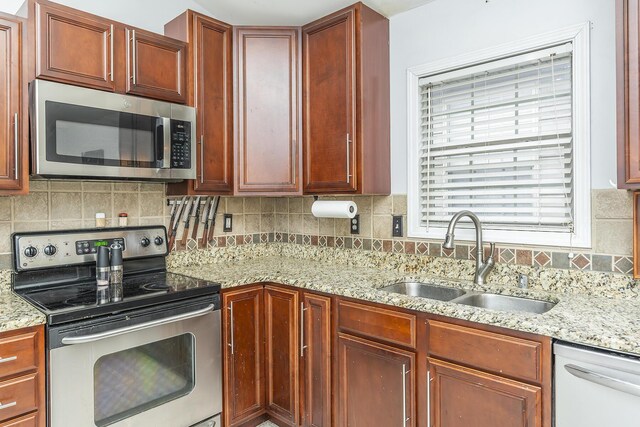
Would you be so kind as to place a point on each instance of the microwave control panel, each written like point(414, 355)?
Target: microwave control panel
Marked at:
point(180, 144)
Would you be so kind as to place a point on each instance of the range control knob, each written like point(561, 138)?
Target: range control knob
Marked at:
point(30, 251)
point(158, 240)
point(50, 250)
point(145, 242)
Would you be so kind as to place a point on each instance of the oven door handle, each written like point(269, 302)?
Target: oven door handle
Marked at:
point(83, 339)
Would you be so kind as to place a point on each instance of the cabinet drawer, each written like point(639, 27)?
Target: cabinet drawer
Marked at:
point(18, 354)
point(30, 420)
point(501, 354)
point(18, 396)
point(377, 323)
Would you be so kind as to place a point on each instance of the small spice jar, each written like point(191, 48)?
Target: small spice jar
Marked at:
point(101, 220)
point(123, 219)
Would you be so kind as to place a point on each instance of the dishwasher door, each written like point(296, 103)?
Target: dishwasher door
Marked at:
point(595, 388)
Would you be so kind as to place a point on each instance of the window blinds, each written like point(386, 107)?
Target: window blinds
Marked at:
point(496, 139)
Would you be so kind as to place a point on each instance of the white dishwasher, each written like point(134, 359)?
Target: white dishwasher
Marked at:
point(595, 388)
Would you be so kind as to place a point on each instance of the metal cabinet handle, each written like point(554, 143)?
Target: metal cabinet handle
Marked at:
point(202, 159)
point(621, 384)
point(133, 56)
point(428, 398)
point(404, 395)
point(128, 329)
point(302, 346)
point(16, 143)
point(8, 359)
point(7, 405)
point(231, 326)
point(111, 37)
point(348, 159)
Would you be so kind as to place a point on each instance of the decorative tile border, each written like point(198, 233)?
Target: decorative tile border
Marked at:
point(510, 256)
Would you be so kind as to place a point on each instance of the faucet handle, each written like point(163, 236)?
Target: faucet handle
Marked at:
point(492, 249)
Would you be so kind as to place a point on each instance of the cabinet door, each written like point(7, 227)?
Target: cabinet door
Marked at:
point(461, 397)
point(329, 104)
point(316, 360)
point(156, 66)
point(282, 353)
point(376, 384)
point(74, 47)
point(243, 354)
point(12, 127)
point(268, 154)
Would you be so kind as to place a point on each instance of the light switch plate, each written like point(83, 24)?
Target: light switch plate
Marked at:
point(397, 226)
point(227, 226)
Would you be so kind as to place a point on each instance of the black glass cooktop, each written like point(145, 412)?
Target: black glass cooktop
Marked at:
point(77, 301)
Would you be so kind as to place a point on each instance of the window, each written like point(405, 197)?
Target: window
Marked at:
point(506, 138)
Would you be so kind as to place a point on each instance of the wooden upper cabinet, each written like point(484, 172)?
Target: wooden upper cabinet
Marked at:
point(462, 397)
point(268, 154)
point(210, 90)
point(346, 103)
point(156, 66)
point(13, 108)
point(628, 92)
point(74, 47)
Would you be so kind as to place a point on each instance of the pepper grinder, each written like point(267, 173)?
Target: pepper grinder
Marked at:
point(116, 264)
point(102, 266)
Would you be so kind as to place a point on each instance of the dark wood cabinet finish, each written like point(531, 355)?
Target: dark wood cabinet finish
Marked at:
point(282, 352)
point(155, 66)
point(316, 361)
point(346, 103)
point(210, 90)
point(376, 384)
point(74, 47)
point(268, 155)
point(461, 397)
point(243, 343)
point(13, 107)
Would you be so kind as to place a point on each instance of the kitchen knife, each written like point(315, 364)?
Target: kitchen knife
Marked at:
point(208, 204)
point(187, 219)
point(196, 221)
point(177, 222)
point(174, 211)
point(212, 217)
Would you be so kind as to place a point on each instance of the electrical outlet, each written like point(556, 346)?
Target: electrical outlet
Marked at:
point(227, 226)
point(397, 226)
point(355, 224)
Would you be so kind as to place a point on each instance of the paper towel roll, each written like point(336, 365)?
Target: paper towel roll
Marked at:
point(333, 209)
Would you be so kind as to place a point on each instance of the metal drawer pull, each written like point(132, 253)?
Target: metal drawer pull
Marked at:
point(620, 384)
point(404, 395)
point(231, 325)
point(302, 346)
point(111, 59)
point(134, 60)
point(348, 159)
point(7, 405)
point(428, 398)
point(108, 334)
point(202, 159)
point(8, 359)
point(15, 143)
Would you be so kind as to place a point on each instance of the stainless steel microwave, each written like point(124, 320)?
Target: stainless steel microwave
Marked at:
point(85, 133)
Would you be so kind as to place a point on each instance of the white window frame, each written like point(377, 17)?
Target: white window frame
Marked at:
point(578, 35)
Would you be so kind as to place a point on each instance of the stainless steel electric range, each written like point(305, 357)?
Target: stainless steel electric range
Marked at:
point(144, 353)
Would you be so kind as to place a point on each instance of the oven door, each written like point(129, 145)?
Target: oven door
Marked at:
point(157, 369)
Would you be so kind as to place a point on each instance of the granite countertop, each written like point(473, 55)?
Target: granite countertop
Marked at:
point(583, 318)
point(15, 312)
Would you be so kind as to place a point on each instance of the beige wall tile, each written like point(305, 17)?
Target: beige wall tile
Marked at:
point(399, 204)
point(267, 223)
point(126, 186)
point(152, 187)
point(30, 226)
point(282, 205)
point(153, 220)
point(38, 185)
point(126, 202)
point(66, 206)
point(382, 226)
point(5, 208)
point(65, 225)
point(613, 236)
point(65, 186)
point(295, 204)
point(310, 225)
point(295, 223)
point(281, 223)
point(268, 204)
point(612, 204)
point(91, 186)
point(251, 223)
point(327, 226)
point(382, 205)
point(365, 204)
point(307, 202)
point(366, 225)
point(238, 226)
point(5, 237)
point(343, 227)
point(252, 205)
point(152, 204)
point(96, 202)
point(32, 207)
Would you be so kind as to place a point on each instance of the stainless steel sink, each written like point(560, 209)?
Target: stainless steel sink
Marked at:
point(424, 290)
point(505, 303)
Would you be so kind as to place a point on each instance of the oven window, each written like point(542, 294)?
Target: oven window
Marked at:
point(137, 379)
point(94, 136)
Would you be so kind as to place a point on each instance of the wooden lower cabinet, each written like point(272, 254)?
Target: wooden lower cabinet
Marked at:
point(376, 384)
point(463, 397)
point(243, 343)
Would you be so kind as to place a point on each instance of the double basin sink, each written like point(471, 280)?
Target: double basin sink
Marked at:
point(475, 299)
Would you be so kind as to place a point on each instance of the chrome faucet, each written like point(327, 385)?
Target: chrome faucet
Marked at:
point(483, 266)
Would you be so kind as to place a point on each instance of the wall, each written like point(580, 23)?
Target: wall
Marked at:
point(447, 28)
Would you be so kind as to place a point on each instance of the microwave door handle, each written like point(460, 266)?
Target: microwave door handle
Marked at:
point(83, 339)
point(166, 143)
